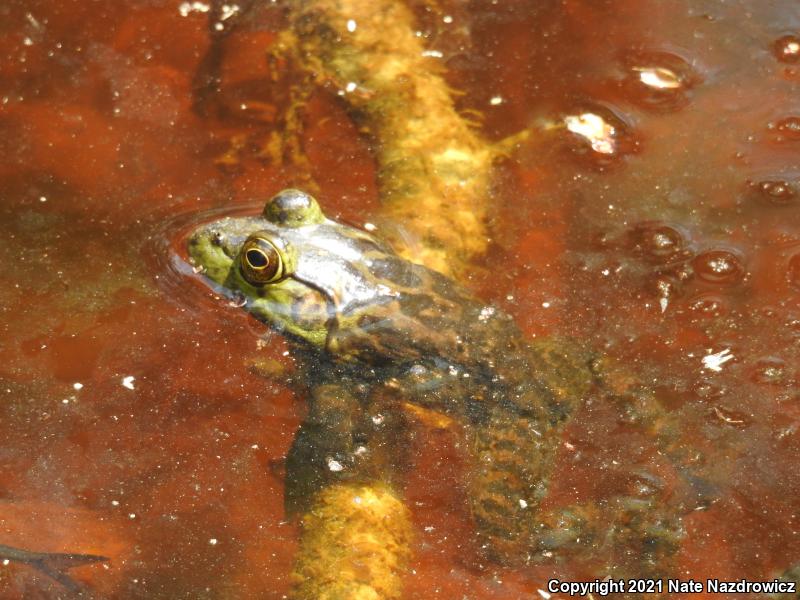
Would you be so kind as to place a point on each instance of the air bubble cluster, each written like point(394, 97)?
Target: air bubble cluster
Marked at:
point(786, 130)
point(676, 263)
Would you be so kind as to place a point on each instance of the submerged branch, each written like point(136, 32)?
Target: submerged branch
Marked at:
point(434, 169)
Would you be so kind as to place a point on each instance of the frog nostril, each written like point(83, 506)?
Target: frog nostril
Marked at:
point(217, 238)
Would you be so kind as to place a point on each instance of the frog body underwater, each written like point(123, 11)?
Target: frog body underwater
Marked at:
point(382, 333)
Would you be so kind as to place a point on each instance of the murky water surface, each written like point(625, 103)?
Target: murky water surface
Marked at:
point(654, 215)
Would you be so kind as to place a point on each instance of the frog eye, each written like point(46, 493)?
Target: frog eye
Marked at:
point(260, 261)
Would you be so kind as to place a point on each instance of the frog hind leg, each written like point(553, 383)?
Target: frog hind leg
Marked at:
point(512, 462)
point(324, 449)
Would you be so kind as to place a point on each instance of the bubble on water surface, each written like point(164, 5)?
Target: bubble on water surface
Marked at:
point(658, 78)
point(659, 242)
point(658, 81)
point(776, 192)
point(787, 49)
point(719, 266)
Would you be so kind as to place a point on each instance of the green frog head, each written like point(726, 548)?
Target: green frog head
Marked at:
point(335, 286)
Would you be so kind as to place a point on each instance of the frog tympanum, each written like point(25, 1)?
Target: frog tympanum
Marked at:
point(381, 333)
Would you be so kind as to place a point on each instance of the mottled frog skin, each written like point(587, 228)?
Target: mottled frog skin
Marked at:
point(382, 333)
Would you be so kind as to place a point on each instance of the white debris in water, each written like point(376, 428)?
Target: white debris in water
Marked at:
point(189, 7)
point(127, 381)
point(663, 302)
point(351, 87)
point(523, 503)
point(486, 313)
point(595, 129)
point(496, 100)
point(432, 53)
point(335, 466)
point(228, 10)
point(370, 226)
point(351, 25)
point(714, 362)
point(213, 541)
point(544, 594)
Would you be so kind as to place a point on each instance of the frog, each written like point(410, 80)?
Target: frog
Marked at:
point(385, 336)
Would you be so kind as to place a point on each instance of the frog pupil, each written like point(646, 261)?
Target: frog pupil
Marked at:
point(257, 259)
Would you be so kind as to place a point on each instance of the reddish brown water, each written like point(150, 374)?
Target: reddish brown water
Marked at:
point(680, 244)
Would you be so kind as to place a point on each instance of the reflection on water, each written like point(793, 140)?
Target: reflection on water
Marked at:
point(681, 251)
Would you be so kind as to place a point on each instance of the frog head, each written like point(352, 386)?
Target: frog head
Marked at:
point(297, 270)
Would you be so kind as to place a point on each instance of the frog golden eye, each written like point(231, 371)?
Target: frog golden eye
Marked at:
point(260, 262)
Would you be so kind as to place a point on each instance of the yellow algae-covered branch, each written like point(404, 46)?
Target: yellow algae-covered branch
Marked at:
point(355, 545)
point(434, 170)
